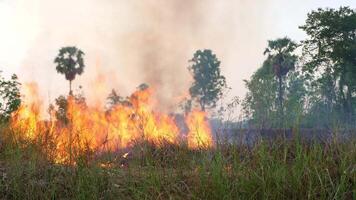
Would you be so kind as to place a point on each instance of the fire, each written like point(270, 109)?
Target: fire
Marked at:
point(26, 117)
point(92, 129)
point(199, 135)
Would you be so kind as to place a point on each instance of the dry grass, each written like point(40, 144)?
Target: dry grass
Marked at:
point(279, 170)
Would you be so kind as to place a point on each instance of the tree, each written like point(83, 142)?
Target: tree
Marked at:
point(10, 98)
point(61, 109)
point(330, 54)
point(209, 84)
point(295, 98)
point(322, 109)
point(280, 55)
point(114, 99)
point(70, 63)
point(259, 104)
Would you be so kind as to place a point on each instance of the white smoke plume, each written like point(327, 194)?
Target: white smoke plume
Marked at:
point(132, 42)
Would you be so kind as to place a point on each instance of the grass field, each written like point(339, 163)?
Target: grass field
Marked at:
point(278, 170)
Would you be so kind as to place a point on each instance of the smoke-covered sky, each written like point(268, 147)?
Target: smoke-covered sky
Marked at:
point(128, 42)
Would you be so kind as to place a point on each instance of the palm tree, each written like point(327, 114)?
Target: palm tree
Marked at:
point(281, 57)
point(70, 63)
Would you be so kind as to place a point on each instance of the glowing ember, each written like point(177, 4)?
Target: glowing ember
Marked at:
point(91, 129)
point(125, 155)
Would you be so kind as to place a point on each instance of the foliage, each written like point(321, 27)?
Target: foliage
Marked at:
point(295, 99)
point(260, 101)
point(114, 99)
point(275, 96)
point(209, 84)
point(10, 98)
point(330, 57)
point(70, 62)
point(61, 108)
point(323, 93)
point(279, 96)
point(281, 57)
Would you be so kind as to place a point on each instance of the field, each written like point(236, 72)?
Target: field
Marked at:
point(283, 169)
point(177, 99)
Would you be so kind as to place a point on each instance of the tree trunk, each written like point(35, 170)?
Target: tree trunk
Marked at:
point(349, 104)
point(202, 105)
point(70, 88)
point(280, 99)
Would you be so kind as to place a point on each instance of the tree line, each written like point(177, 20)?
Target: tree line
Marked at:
point(204, 93)
point(311, 83)
point(314, 88)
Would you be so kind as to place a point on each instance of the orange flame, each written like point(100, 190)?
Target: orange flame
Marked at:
point(26, 118)
point(199, 135)
point(95, 130)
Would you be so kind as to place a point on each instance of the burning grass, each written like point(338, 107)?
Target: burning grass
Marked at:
point(134, 152)
point(282, 170)
point(91, 128)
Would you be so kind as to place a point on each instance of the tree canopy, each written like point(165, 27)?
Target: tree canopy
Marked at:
point(281, 57)
point(209, 83)
point(315, 89)
point(10, 98)
point(330, 56)
point(70, 62)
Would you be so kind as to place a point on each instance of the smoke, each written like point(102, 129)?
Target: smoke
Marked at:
point(132, 42)
point(162, 42)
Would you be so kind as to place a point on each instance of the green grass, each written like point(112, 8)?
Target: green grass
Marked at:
point(278, 170)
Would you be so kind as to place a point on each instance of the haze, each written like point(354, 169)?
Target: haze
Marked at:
point(132, 42)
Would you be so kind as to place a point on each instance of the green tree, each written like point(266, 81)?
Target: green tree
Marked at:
point(280, 55)
point(209, 84)
point(330, 54)
point(322, 109)
point(295, 99)
point(259, 104)
point(70, 62)
point(10, 98)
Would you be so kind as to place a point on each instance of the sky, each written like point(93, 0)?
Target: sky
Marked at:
point(131, 42)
